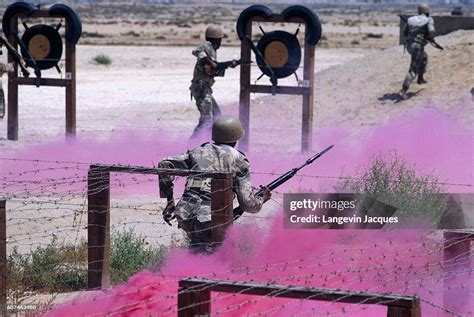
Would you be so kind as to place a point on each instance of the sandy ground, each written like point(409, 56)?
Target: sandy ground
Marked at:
point(143, 88)
point(344, 25)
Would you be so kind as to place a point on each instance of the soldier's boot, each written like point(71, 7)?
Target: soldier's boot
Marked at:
point(403, 94)
point(421, 79)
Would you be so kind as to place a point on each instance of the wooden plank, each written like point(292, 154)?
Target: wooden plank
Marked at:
point(244, 97)
point(278, 18)
point(12, 107)
point(54, 82)
point(222, 208)
point(156, 171)
point(98, 229)
point(403, 312)
point(308, 98)
point(40, 14)
point(320, 294)
point(456, 254)
point(283, 90)
point(194, 302)
point(3, 259)
point(70, 89)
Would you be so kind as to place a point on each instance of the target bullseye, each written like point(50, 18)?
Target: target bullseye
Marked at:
point(39, 47)
point(276, 54)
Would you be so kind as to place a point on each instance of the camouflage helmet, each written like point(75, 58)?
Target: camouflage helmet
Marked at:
point(227, 129)
point(423, 9)
point(214, 32)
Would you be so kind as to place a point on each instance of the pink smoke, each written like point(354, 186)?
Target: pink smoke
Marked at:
point(400, 262)
point(404, 262)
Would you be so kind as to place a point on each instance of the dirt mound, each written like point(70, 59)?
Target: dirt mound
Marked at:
point(364, 91)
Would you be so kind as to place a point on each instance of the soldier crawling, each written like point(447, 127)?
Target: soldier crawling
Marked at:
point(203, 79)
point(418, 31)
point(193, 210)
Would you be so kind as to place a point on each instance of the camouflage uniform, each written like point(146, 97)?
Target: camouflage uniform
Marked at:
point(193, 211)
point(416, 31)
point(201, 85)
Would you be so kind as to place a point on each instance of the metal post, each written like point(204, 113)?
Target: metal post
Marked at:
point(70, 88)
point(12, 120)
point(222, 208)
point(98, 229)
point(3, 259)
point(244, 105)
point(308, 98)
point(457, 265)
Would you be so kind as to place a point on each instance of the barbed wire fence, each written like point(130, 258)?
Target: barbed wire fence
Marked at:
point(69, 205)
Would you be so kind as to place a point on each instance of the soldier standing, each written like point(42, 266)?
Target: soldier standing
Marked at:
point(418, 31)
point(203, 78)
point(4, 68)
point(193, 210)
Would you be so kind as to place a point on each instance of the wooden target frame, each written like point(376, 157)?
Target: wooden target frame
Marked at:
point(73, 28)
point(293, 14)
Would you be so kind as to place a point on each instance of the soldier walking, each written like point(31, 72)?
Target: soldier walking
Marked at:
point(193, 211)
point(203, 79)
point(418, 31)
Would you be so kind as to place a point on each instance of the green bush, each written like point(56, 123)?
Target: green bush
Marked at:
point(63, 268)
point(48, 269)
point(102, 59)
point(130, 254)
point(394, 181)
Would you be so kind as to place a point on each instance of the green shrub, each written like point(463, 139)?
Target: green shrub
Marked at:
point(63, 267)
point(130, 254)
point(46, 269)
point(395, 182)
point(102, 59)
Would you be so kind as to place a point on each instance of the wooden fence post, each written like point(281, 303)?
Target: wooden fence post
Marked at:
point(222, 208)
point(415, 311)
point(3, 259)
point(195, 301)
point(457, 264)
point(98, 228)
point(308, 98)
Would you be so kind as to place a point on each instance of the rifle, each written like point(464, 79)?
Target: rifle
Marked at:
point(29, 59)
point(15, 56)
point(221, 67)
point(435, 44)
point(430, 40)
point(238, 211)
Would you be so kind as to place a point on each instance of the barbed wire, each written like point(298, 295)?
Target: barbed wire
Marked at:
point(47, 204)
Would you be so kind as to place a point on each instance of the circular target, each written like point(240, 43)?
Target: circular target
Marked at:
point(44, 46)
point(39, 47)
point(282, 52)
point(276, 54)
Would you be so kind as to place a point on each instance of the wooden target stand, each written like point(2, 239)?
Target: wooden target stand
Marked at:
point(274, 56)
point(38, 48)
